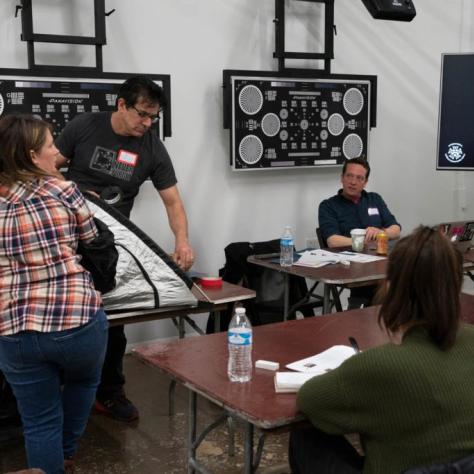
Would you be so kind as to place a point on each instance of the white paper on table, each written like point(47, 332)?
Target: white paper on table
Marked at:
point(287, 382)
point(319, 258)
point(323, 362)
point(361, 257)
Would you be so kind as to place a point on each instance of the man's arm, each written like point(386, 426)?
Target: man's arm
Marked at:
point(183, 253)
point(338, 241)
point(388, 222)
point(392, 231)
point(329, 226)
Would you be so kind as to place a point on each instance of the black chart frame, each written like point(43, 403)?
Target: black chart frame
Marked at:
point(72, 73)
point(227, 75)
point(297, 74)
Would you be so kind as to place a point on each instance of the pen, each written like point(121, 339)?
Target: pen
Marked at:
point(354, 344)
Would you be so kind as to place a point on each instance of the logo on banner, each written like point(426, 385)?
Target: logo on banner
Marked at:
point(455, 153)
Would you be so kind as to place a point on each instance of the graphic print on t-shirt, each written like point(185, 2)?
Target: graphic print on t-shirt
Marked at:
point(107, 162)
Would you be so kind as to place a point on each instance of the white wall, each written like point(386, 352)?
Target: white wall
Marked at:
point(194, 41)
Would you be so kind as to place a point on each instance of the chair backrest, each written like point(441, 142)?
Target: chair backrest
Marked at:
point(269, 284)
point(319, 235)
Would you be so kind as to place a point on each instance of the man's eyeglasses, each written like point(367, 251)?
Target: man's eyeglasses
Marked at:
point(357, 177)
point(145, 115)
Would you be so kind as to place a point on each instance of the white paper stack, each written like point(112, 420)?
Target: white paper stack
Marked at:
point(327, 360)
point(319, 258)
point(360, 257)
point(311, 367)
point(287, 382)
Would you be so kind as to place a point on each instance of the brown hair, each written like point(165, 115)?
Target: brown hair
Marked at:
point(357, 161)
point(19, 136)
point(422, 288)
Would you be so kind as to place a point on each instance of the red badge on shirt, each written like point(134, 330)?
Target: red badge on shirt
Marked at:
point(127, 158)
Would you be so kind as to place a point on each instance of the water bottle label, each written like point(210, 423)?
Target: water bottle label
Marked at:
point(286, 242)
point(239, 338)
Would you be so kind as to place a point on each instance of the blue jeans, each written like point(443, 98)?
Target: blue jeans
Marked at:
point(36, 365)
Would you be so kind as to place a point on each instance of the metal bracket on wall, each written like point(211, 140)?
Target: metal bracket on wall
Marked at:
point(31, 38)
point(329, 30)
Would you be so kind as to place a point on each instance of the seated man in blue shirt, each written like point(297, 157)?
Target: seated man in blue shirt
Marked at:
point(354, 208)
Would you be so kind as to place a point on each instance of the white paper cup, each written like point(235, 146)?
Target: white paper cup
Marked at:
point(358, 238)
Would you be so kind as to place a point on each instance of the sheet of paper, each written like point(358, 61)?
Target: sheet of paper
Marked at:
point(323, 362)
point(361, 257)
point(287, 382)
point(319, 258)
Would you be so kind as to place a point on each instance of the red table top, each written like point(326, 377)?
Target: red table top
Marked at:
point(201, 362)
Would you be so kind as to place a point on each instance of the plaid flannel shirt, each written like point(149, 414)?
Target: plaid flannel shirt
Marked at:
point(42, 285)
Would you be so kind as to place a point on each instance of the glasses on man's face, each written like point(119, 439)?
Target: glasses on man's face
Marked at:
point(145, 115)
point(359, 178)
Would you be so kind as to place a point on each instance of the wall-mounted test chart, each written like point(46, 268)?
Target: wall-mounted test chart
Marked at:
point(284, 122)
point(59, 99)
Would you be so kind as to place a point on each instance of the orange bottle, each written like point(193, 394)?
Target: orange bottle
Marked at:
point(382, 243)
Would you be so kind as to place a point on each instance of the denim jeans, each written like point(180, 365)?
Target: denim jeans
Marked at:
point(54, 376)
point(112, 379)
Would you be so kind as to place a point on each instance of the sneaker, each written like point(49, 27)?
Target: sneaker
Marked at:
point(118, 407)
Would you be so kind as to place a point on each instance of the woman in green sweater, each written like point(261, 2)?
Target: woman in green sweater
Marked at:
point(413, 402)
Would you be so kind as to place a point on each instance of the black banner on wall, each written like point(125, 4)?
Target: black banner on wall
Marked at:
point(456, 113)
point(58, 99)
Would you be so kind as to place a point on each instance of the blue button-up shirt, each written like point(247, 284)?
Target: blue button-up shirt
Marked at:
point(339, 215)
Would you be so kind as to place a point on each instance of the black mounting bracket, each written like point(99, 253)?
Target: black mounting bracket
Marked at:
point(329, 30)
point(31, 38)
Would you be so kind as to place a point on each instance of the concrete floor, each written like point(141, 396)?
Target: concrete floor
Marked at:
point(157, 443)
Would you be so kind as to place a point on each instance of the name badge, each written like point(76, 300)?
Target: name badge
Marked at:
point(373, 211)
point(127, 158)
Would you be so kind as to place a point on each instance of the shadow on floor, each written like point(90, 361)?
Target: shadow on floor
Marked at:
point(157, 443)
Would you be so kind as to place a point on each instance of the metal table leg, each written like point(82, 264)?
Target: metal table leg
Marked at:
point(217, 321)
point(172, 386)
point(181, 331)
point(248, 449)
point(192, 431)
point(171, 394)
point(335, 298)
point(327, 299)
point(195, 440)
point(231, 430)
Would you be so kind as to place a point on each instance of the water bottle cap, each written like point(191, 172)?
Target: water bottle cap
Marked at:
point(240, 310)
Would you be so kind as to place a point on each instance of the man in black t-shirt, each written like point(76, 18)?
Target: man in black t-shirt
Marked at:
point(120, 150)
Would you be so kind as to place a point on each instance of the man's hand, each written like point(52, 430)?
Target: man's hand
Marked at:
point(371, 234)
point(183, 256)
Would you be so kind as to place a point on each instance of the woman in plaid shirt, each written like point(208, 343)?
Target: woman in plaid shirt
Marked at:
point(52, 327)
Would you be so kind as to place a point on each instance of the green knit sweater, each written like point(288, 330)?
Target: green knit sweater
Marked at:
point(412, 404)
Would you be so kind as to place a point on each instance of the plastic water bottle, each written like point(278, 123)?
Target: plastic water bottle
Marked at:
point(286, 248)
point(239, 339)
